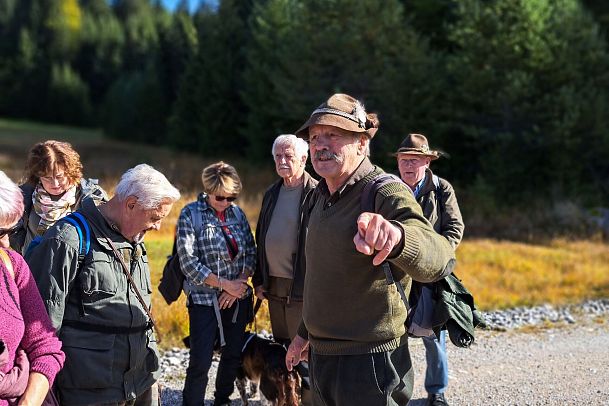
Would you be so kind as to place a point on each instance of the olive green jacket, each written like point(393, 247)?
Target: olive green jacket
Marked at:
point(100, 367)
point(440, 207)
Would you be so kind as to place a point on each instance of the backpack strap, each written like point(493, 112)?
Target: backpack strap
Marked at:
point(239, 214)
point(367, 201)
point(84, 245)
point(84, 234)
point(438, 192)
point(371, 188)
point(196, 218)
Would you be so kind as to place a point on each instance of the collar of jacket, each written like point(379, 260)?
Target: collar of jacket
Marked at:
point(428, 185)
point(92, 213)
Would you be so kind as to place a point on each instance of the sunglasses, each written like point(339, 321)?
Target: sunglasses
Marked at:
point(223, 198)
point(9, 231)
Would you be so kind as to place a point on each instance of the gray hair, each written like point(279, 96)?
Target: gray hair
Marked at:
point(149, 186)
point(11, 200)
point(301, 148)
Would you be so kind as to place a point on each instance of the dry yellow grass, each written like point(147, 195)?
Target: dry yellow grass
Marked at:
point(508, 274)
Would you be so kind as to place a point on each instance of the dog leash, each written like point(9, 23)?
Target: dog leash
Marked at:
point(251, 335)
point(257, 305)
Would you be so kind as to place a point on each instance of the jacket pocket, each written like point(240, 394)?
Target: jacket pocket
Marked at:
point(98, 280)
point(144, 270)
point(89, 360)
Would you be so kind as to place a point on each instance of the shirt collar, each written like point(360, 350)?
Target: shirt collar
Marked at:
point(419, 186)
point(364, 168)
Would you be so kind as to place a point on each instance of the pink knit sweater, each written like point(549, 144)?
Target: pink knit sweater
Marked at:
point(24, 321)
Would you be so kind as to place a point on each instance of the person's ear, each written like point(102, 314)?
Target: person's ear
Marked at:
point(361, 146)
point(130, 202)
point(303, 160)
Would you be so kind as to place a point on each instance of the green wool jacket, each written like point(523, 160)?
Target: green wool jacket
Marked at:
point(100, 367)
point(348, 306)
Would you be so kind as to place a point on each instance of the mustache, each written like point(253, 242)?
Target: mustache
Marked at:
point(325, 154)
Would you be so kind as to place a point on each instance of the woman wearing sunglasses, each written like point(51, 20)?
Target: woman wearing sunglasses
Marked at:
point(53, 188)
point(30, 352)
point(217, 256)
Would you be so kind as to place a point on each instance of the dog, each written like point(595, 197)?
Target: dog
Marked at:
point(263, 364)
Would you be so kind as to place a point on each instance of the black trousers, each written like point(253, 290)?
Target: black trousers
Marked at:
point(203, 332)
point(378, 379)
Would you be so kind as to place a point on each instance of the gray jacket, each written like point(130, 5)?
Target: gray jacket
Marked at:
point(111, 355)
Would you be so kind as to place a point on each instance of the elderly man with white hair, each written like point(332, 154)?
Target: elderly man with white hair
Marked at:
point(92, 271)
point(280, 236)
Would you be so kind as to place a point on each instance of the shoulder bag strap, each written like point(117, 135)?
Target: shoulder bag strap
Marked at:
point(367, 201)
point(129, 279)
point(196, 218)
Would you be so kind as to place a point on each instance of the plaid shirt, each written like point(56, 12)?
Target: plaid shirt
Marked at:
point(207, 251)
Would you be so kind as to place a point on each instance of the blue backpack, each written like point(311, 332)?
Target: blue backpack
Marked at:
point(84, 236)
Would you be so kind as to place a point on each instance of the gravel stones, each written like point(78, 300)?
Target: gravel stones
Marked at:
point(564, 361)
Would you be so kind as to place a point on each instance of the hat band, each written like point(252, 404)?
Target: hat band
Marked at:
point(326, 110)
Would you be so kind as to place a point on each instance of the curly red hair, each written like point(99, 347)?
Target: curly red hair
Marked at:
point(49, 157)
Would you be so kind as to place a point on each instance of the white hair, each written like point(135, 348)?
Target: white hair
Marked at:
point(149, 186)
point(301, 148)
point(11, 200)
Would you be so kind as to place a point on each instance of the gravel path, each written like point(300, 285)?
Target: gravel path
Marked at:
point(542, 356)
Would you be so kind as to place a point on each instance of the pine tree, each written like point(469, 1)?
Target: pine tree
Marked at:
point(209, 111)
point(100, 57)
point(529, 77)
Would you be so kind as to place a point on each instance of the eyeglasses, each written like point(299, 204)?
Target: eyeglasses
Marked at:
point(9, 231)
point(410, 161)
point(59, 177)
point(223, 198)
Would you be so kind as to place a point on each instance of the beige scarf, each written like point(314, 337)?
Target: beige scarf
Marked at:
point(51, 210)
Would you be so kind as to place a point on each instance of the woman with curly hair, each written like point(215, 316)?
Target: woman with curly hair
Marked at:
point(53, 188)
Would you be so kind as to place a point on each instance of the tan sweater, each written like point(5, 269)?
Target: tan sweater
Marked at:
point(348, 306)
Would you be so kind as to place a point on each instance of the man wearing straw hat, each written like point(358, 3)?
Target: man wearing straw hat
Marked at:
point(353, 319)
point(439, 204)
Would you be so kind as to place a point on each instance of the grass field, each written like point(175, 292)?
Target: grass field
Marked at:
point(499, 274)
